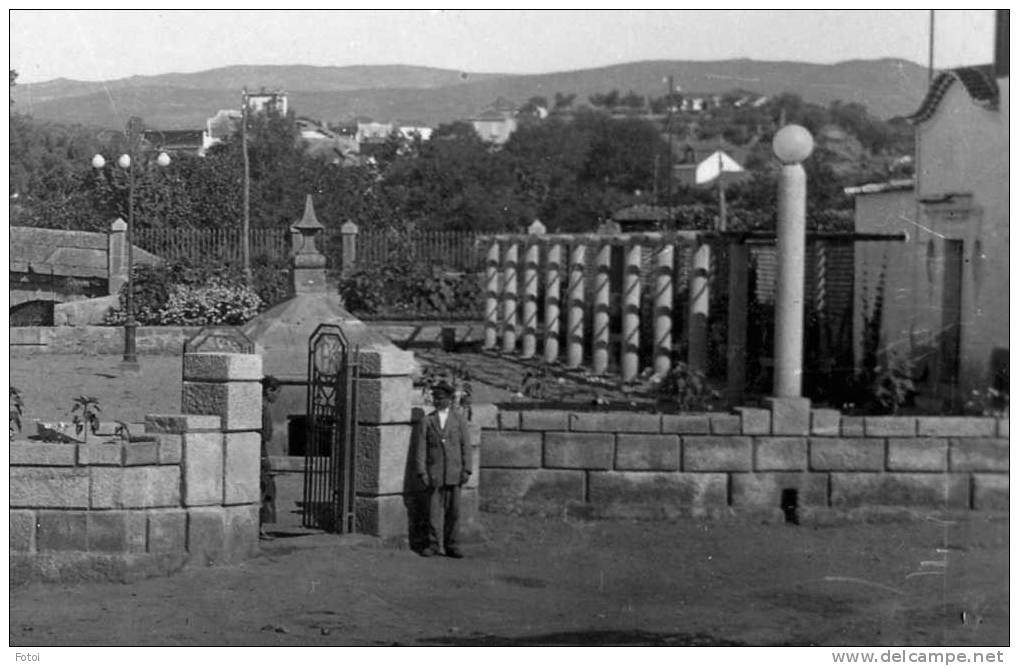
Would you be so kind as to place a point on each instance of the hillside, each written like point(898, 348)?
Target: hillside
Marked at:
point(176, 101)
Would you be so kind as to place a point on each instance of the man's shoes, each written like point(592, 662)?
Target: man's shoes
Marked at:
point(428, 552)
point(455, 553)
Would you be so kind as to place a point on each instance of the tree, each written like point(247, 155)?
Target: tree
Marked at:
point(564, 101)
point(632, 100)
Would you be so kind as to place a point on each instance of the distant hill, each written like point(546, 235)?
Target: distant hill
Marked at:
point(887, 87)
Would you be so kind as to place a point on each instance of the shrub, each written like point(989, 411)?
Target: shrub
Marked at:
point(399, 288)
point(179, 289)
point(217, 303)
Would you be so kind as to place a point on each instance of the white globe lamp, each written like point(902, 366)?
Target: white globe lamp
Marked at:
point(792, 144)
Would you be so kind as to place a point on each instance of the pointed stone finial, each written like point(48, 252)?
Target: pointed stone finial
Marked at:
point(536, 228)
point(309, 221)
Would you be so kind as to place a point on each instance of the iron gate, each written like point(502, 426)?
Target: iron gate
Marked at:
point(331, 435)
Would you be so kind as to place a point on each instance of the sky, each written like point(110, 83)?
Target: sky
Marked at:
point(104, 45)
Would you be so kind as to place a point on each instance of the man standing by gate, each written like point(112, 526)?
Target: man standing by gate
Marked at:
point(443, 464)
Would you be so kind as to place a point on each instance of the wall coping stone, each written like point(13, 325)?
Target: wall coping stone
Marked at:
point(182, 423)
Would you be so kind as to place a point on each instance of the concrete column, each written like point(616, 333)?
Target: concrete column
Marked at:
point(664, 268)
point(348, 247)
point(629, 363)
point(575, 313)
point(509, 302)
point(600, 334)
point(792, 145)
point(736, 323)
point(553, 279)
point(492, 296)
point(697, 353)
point(528, 344)
point(791, 245)
point(116, 256)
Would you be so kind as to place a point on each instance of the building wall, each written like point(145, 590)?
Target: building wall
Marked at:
point(909, 293)
point(963, 150)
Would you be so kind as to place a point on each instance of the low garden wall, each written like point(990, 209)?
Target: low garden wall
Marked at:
point(170, 339)
point(118, 510)
point(787, 462)
point(98, 339)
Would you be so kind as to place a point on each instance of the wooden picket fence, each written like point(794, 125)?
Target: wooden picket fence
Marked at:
point(452, 250)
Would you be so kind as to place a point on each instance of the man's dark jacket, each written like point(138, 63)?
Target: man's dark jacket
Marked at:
point(442, 454)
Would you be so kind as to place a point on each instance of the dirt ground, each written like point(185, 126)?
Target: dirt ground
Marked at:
point(927, 580)
point(536, 581)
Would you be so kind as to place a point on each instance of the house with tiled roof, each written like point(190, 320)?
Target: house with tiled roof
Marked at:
point(946, 288)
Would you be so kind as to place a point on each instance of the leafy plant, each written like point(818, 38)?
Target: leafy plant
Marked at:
point(123, 431)
point(892, 385)
point(16, 407)
point(989, 402)
point(86, 415)
point(538, 384)
point(687, 388)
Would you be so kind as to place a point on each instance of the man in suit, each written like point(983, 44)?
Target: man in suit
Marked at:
point(443, 464)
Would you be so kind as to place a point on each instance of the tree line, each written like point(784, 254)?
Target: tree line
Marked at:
point(570, 171)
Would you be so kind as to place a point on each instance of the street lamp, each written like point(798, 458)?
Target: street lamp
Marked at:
point(792, 144)
point(130, 361)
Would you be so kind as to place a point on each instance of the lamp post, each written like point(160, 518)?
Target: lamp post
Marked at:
point(792, 144)
point(127, 162)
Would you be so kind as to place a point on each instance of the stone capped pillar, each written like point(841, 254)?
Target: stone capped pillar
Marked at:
point(348, 244)
point(116, 256)
point(309, 264)
point(221, 468)
point(228, 386)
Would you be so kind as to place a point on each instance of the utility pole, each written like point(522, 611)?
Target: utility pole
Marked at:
point(721, 192)
point(668, 162)
point(930, 52)
point(246, 231)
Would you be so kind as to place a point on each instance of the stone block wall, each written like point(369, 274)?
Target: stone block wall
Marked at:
point(189, 495)
point(787, 456)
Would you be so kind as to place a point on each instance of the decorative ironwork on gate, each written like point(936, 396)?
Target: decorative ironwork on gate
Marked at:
point(331, 436)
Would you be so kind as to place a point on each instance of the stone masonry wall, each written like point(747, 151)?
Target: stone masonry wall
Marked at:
point(754, 460)
point(114, 510)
